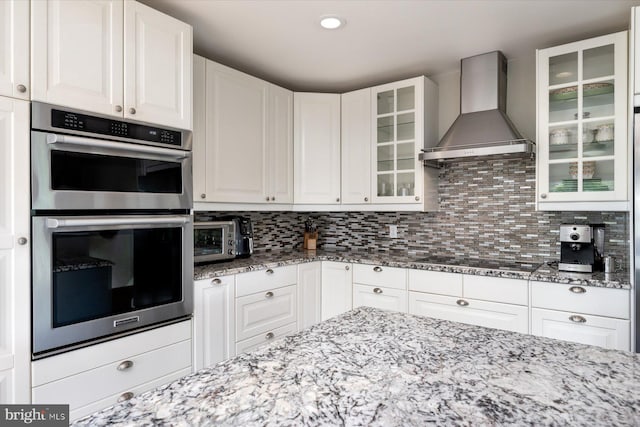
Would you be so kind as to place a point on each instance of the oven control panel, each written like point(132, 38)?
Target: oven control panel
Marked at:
point(102, 126)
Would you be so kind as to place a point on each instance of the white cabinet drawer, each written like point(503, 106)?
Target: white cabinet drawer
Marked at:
point(265, 338)
point(581, 299)
point(83, 388)
point(264, 311)
point(489, 314)
point(593, 330)
point(496, 289)
point(111, 352)
point(83, 411)
point(380, 297)
point(435, 282)
point(263, 280)
point(376, 275)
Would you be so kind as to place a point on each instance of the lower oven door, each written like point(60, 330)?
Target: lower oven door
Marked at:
point(73, 172)
point(98, 276)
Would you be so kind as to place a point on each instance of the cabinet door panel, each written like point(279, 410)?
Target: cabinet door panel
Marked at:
point(356, 146)
point(601, 331)
point(214, 318)
point(594, 300)
point(317, 148)
point(309, 294)
point(279, 165)
point(76, 54)
point(482, 313)
point(14, 48)
point(108, 379)
point(261, 312)
point(337, 288)
point(158, 54)
point(15, 298)
point(384, 298)
point(236, 136)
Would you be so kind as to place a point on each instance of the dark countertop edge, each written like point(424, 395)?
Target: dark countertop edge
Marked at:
point(292, 257)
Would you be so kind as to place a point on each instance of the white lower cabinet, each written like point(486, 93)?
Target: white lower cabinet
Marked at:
point(478, 300)
point(584, 314)
point(6, 385)
point(265, 306)
point(309, 294)
point(482, 313)
point(95, 377)
point(337, 288)
point(593, 330)
point(380, 287)
point(379, 297)
point(214, 321)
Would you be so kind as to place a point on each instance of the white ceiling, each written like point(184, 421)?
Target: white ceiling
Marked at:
point(383, 40)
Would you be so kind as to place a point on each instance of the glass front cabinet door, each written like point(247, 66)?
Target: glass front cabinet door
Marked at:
point(403, 123)
point(582, 125)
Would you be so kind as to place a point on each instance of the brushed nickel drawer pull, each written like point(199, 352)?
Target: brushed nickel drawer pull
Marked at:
point(269, 336)
point(125, 396)
point(577, 289)
point(125, 365)
point(346, 267)
point(377, 290)
point(462, 303)
point(377, 269)
point(269, 294)
point(577, 319)
point(269, 271)
point(216, 281)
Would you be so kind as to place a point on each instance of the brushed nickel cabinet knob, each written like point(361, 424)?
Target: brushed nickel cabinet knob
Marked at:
point(132, 110)
point(22, 241)
point(118, 108)
point(125, 396)
point(543, 195)
point(22, 88)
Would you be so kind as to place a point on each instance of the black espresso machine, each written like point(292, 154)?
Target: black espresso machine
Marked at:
point(581, 247)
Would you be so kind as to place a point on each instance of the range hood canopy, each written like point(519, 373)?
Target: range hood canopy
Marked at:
point(482, 128)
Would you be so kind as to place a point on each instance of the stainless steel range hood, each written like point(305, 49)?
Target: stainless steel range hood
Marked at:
point(482, 128)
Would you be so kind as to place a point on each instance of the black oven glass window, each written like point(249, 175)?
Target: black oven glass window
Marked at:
point(93, 172)
point(207, 241)
point(103, 273)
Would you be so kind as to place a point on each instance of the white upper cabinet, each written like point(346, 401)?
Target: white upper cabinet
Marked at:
point(158, 51)
point(405, 119)
point(76, 54)
point(356, 146)
point(582, 125)
point(243, 137)
point(236, 135)
point(316, 124)
point(279, 166)
point(14, 48)
point(112, 57)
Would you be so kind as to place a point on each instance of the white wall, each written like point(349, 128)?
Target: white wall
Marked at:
point(521, 96)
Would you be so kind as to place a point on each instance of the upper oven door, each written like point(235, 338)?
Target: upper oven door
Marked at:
point(76, 172)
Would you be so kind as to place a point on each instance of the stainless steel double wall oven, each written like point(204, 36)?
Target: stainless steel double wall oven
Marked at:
point(111, 227)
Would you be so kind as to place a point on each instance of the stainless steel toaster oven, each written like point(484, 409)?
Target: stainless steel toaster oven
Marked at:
point(214, 241)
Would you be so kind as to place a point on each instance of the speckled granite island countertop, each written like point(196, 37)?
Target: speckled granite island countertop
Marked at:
point(371, 367)
point(493, 268)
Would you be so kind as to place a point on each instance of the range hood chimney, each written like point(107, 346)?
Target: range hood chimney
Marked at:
point(482, 128)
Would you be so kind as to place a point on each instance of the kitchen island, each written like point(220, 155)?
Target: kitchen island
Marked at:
point(373, 367)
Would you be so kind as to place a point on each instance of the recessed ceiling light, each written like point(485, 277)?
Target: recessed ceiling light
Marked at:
point(331, 22)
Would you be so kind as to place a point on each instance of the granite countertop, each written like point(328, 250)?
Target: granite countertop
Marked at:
point(506, 269)
point(373, 367)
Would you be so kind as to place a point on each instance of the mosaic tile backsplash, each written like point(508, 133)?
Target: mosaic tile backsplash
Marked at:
point(487, 211)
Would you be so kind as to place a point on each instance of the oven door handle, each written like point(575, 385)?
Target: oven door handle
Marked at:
point(85, 222)
point(54, 138)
